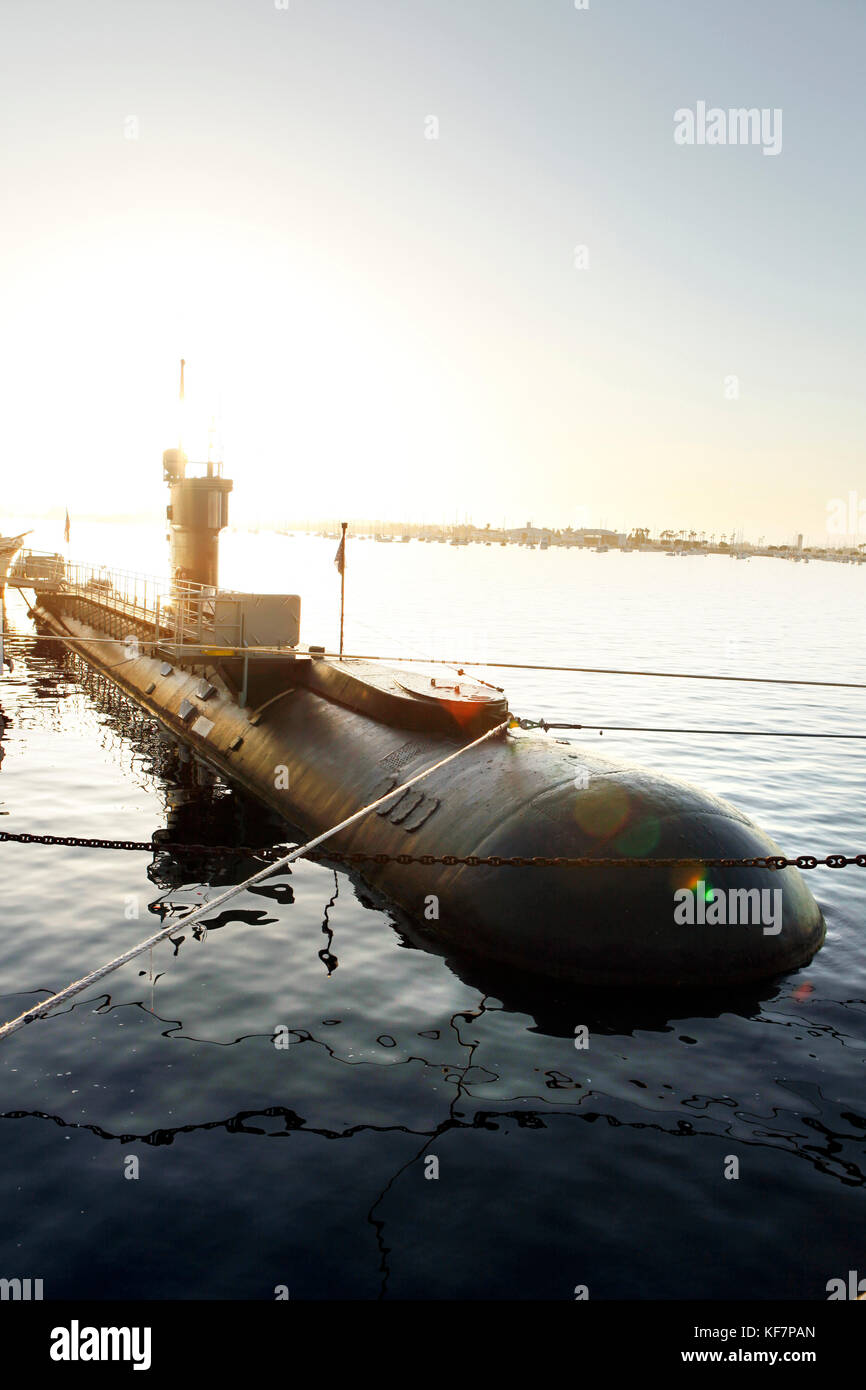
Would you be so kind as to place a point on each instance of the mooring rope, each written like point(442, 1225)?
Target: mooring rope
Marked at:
point(86, 981)
point(460, 666)
point(546, 725)
point(602, 671)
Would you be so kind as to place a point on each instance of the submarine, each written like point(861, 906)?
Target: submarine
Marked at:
point(316, 738)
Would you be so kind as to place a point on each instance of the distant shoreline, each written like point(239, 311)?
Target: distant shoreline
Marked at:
point(599, 539)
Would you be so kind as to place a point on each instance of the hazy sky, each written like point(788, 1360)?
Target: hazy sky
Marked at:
point(393, 325)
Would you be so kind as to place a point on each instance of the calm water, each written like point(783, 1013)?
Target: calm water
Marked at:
point(305, 1167)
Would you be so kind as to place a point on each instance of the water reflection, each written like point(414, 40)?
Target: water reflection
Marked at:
point(832, 1150)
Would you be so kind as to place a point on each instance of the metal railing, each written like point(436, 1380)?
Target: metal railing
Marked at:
point(177, 610)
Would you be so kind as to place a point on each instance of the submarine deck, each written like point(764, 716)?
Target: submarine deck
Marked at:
point(176, 623)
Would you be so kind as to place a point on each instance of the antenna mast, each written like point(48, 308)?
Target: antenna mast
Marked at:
point(180, 412)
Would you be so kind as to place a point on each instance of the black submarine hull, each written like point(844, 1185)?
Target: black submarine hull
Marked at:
point(316, 761)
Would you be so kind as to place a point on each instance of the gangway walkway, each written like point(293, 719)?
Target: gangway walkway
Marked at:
point(126, 603)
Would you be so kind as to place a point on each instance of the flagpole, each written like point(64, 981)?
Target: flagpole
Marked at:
point(344, 525)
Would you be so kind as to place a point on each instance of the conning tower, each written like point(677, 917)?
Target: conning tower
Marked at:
point(197, 512)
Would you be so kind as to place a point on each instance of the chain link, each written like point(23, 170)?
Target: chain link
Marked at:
point(472, 861)
point(148, 846)
point(538, 861)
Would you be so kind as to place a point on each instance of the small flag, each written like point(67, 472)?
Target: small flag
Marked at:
point(340, 557)
point(66, 527)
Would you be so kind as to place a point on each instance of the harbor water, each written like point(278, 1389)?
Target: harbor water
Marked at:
point(307, 1167)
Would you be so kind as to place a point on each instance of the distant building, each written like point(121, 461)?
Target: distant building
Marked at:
point(598, 535)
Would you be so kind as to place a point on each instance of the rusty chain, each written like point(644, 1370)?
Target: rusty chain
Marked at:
point(494, 861)
point(539, 861)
